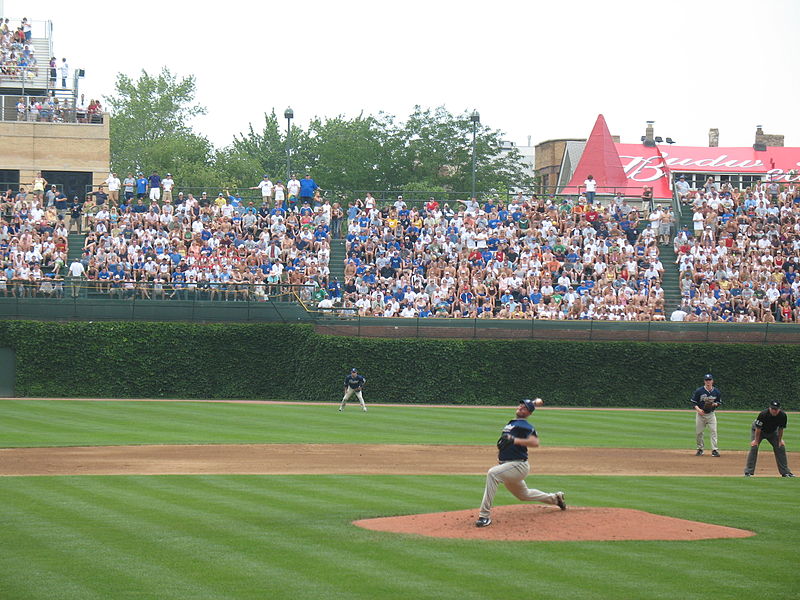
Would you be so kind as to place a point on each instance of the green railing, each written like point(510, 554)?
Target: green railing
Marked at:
point(538, 329)
point(79, 299)
point(79, 302)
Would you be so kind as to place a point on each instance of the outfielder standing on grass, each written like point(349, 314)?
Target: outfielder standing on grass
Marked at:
point(518, 435)
point(353, 384)
point(706, 400)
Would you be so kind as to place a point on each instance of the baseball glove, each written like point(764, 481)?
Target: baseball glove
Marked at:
point(505, 441)
point(709, 405)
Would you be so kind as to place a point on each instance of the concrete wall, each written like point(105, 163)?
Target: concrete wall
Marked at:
point(32, 147)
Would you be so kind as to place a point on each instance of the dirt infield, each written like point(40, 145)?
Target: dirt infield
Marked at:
point(366, 459)
point(514, 522)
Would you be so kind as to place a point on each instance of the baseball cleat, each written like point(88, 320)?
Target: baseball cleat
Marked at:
point(483, 522)
point(560, 501)
point(748, 474)
point(365, 409)
point(715, 453)
point(788, 475)
point(340, 409)
point(699, 452)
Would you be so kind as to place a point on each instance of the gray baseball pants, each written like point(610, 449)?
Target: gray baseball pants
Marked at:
point(512, 474)
point(700, 423)
point(350, 391)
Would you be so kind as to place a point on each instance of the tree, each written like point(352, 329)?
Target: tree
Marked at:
point(431, 150)
point(350, 154)
point(150, 130)
point(438, 151)
point(254, 154)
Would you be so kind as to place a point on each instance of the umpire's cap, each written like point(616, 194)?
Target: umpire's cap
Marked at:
point(528, 404)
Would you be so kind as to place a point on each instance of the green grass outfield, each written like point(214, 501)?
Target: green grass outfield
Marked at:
point(228, 536)
point(37, 423)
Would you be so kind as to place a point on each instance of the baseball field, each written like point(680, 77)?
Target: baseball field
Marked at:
point(189, 499)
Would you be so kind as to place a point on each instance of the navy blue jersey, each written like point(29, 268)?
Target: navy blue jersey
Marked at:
point(519, 428)
point(700, 396)
point(354, 381)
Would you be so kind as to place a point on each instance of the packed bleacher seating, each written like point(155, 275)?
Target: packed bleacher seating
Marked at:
point(740, 261)
point(535, 258)
point(542, 258)
point(33, 245)
point(227, 249)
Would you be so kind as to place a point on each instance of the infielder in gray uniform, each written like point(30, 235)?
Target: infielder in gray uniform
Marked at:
point(706, 399)
point(353, 384)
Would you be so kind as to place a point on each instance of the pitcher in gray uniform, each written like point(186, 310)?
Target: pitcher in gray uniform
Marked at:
point(517, 436)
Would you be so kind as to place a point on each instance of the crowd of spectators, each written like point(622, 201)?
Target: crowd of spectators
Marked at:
point(17, 57)
point(534, 257)
point(150, 242)
point(33, 242)
point(740, 259)
point(542, 258)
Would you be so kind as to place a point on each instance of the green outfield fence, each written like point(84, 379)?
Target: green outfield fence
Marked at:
point(533, 329)
point(86, 303)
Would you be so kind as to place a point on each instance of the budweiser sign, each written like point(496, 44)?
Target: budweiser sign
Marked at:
point(645, 166)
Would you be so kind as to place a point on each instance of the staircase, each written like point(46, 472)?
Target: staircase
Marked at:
point(336, 264)
point(670, 281)
point(34, 81)
point(75, 243)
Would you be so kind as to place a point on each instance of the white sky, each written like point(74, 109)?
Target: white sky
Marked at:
point(538, 69)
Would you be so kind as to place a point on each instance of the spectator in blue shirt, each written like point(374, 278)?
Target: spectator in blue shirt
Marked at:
point(154, 183)
point(307, 188)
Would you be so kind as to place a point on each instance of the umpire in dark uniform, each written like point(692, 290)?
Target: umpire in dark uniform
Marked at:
point(769, 425)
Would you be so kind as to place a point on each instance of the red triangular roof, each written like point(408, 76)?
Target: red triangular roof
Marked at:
point(600, 160)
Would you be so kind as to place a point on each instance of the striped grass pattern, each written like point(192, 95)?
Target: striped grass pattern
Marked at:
point(242, 537)
point(35, 423)
point(290, 537)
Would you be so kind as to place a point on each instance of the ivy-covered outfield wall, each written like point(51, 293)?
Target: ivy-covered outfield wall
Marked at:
point(292, 362)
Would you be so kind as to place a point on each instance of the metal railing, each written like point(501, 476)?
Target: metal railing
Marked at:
point(78, 298)
point(537, 329)
point(127, 289)
point(62, 112)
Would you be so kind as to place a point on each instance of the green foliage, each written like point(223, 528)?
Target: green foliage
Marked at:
point(150, 127)
point(131, 360)
point(432, 149)
point(256, 153)
point(437, 149)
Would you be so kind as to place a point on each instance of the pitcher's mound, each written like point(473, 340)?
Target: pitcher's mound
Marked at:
point(525, 522)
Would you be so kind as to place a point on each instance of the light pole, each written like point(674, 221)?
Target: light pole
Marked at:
point(475, 117)
point(289, 114)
